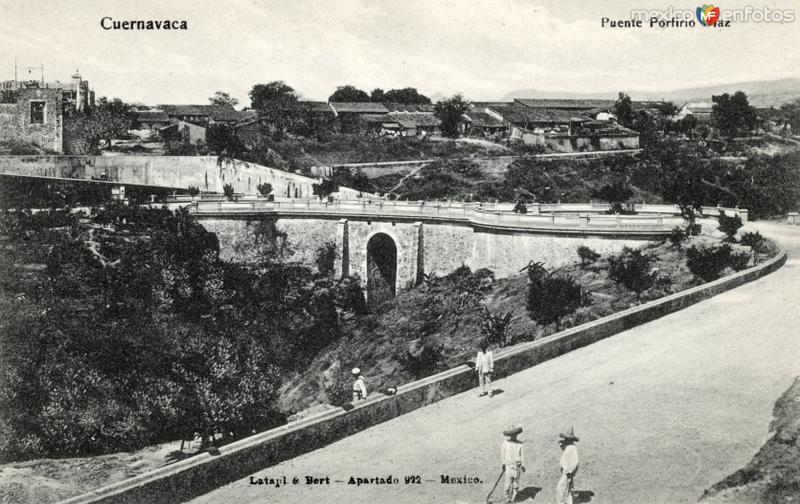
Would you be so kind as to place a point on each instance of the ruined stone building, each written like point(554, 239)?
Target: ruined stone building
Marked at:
point(33, 116)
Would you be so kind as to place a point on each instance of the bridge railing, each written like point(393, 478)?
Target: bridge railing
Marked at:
point(475, 214)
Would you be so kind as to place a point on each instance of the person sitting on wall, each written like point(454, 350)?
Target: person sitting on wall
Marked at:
point(359, 387)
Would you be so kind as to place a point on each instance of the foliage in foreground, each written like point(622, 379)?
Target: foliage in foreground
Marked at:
point(126, 329)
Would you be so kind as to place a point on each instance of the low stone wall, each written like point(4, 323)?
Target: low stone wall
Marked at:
point(200, 474)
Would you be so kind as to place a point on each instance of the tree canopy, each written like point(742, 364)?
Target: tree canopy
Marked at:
point(733, 114)
point(623, 109)
point(224, 99)
point(406, 95)
point(348, 93)
point(449, 111)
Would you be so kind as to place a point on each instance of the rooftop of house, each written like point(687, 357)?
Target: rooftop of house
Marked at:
point(221, 113)
point(481, 119)
point(519, 114)
point(152, 116)
point(409, 107)
point(415, 120)
point(359, 108)
point(564, 104)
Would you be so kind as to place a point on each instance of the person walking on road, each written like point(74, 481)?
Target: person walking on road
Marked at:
point(359, 387)
point(484, 365)
point(569, 466)
point(513, 461)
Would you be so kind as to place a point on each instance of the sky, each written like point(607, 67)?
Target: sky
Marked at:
point(481, 48)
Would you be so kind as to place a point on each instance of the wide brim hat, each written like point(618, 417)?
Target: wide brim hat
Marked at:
point(512, 431)
point(569, 435)
point(356, 371)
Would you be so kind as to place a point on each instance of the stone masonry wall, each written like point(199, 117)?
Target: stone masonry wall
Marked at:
point(16, 125)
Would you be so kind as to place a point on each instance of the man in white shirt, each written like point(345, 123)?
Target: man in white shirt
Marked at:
point(569, 466)
point(484, 365)
point(513, 461)
point(359, 387)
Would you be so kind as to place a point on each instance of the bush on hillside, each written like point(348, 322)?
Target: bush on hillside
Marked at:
point(587, 255)
point(551, 298)
point(495, 327)
point(631, 268)
point(730, 226)
point(424, 361)
point(709, 263)
point(677, 236)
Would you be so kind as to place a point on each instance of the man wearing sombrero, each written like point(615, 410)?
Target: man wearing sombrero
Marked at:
point(569, 466)
point(513, 461)
point(359, 387)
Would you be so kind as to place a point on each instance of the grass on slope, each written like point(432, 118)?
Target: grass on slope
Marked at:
point(774, 473)
point(447, 315)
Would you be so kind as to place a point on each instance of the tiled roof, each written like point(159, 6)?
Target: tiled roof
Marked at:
point(564, 104)
point(409, 120)
point(482, 119)
point(408, 107)
point(376, 118)
point(523, 115)
point(359, 108)
point(186, 110)
point(314, 106)
point(152, 116)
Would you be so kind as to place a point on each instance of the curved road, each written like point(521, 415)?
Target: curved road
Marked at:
point(663, 411)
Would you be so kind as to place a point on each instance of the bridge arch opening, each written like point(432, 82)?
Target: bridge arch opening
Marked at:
point(381, 269)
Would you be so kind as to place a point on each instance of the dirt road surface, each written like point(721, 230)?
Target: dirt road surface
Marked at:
point(663, 411)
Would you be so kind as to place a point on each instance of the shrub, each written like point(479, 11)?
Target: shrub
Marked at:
point(423, 362)
point(325, 188)
point(729, 225)
point(738, 260)
point(264, 189)
point(551, 298)
point(677, 236)
point(325, 259)
point(587, 255)
point(756, 243)
point(193, 191)
point(227, 189)
point(495, 327)
point(632, 269)
point(339, 391)
point(708, 264)
point(615, 194)
point(521, 207)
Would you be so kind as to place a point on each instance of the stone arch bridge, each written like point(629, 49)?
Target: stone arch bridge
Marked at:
point(391, 245)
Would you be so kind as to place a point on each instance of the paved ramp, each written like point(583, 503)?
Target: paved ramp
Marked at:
point(663, 411)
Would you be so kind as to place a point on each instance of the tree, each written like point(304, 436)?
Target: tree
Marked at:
point(730, 226)
point(495, 327)
point(708, 264)
point(631, 268)
point(83, 130)
point(615, 194)
point(325, 187)
point(756, 243)
point(623, 109)
point(275, 94)
point(551, 298)
point(348, 93)
point(227, 189)
point(377, 95)
point(222, 140)
point(449, 111)
point(406, 95)
point(587, 255)
point(224, 99)
point(733, 114)
point(264, 189)
point(277, 105)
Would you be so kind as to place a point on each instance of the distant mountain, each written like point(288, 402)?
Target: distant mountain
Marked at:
point(760, 93)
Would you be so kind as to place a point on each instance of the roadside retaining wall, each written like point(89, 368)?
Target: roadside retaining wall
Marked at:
point(200, 474)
